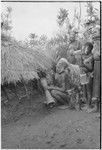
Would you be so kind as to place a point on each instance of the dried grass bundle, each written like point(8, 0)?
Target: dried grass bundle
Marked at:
point(74, 74)
point(19, 62)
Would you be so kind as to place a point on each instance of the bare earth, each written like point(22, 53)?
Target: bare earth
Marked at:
point(36, 127)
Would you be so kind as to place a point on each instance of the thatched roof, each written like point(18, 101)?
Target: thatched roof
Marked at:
point(19, 62)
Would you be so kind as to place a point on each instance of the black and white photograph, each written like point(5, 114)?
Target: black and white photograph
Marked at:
point(50, 74)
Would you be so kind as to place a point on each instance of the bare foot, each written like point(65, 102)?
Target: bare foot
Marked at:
point(92, 110)
point(51, 105)
point(63, 107)
point(85, 107)
point(98, 115)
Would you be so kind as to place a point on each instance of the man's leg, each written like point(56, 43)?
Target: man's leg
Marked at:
point(60, 97)
point(84, 93)
point(88, 94)
point(90, 99)
point(96, 102)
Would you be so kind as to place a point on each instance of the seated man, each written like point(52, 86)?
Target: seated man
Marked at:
point(63, 89)
point(60, 90)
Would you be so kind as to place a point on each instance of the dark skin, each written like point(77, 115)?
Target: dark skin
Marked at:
point(64, 83)
point(62, 88)
point(87, 66)
point(64, 76)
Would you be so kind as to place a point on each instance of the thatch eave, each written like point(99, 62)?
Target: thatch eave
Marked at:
point(19, 62)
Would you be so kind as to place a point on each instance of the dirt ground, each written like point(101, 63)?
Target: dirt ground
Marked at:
point(33, 126)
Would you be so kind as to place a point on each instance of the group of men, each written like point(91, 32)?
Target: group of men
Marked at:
point(61, 89)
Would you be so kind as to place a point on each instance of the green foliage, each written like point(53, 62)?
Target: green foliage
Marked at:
point(91, 11)
point(6, 25)
point(91, 21)
point(32, 36)
point(33, 39)
point(60, 44)
point(62, 16)
point(6, 19)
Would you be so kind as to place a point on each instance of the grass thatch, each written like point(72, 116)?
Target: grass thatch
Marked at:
point(57, 51)
point(19, 62)
point(74, 74)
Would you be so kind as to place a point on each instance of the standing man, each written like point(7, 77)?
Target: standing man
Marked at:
point(87, 66)
point(97, 79)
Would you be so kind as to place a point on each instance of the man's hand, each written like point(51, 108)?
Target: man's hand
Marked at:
point(92, 74)
point(70, 91)
point(55, 88)
point(50, 88)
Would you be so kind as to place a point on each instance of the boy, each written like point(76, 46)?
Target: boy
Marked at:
point(87, 66)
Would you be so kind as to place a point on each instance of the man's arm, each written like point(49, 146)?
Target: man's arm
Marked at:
point(62, 88)
point(88, 63)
